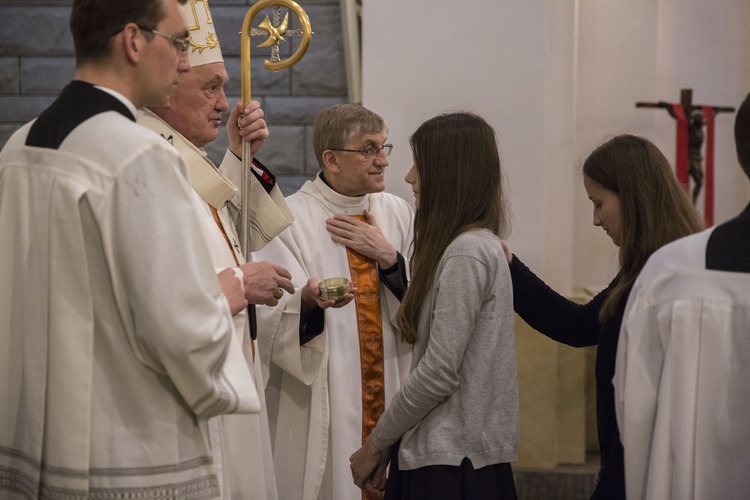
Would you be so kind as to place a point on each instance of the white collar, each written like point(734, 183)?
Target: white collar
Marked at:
point(120, 98)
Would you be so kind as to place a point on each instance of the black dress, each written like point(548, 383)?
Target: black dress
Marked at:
point(578, 325)
point(447, 482)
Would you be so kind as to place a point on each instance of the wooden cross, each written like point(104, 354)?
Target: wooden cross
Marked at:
point(691, 120)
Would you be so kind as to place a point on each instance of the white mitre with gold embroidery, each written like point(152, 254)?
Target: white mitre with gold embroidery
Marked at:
point(204, 43)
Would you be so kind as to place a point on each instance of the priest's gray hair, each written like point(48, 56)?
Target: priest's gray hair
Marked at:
point(335, 126)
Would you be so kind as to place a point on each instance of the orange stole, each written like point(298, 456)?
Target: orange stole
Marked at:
point(364, 276)
point(215, 213)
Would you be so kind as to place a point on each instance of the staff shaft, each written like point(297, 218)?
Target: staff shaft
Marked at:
point(247, 159)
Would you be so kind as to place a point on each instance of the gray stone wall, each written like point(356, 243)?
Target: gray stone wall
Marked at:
point(37, 61)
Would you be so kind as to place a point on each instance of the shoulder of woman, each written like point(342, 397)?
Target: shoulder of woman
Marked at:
point(479, 243)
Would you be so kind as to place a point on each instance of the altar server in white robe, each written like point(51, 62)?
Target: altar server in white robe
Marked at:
point(334, 368)
point(240, 443)
point(681, 380)
point(117, 341)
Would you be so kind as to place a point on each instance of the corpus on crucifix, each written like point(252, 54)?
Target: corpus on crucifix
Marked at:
point(691, 120)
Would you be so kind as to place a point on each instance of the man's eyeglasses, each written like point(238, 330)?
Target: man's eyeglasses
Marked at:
point(369, 152)
point(180, 42)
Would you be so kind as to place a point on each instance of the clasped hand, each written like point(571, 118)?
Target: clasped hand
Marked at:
point(368, 465)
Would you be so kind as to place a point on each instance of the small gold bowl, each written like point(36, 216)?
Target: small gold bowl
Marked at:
point(334, 288)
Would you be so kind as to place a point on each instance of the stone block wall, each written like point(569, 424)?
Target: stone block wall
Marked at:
point(37, 61)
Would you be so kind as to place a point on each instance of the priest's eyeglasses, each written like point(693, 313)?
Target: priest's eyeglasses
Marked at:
point(180, 42)
point(370, 152)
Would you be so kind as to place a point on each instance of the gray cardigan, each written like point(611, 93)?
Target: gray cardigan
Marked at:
point(461, 397)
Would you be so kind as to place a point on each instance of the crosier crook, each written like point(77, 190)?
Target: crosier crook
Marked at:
point(275, 33)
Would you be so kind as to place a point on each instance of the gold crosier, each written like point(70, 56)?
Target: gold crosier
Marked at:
point(275, 32)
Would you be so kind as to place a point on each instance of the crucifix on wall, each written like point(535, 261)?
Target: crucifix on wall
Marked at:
point(691, 120)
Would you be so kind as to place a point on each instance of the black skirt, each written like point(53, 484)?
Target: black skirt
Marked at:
point(449, 482)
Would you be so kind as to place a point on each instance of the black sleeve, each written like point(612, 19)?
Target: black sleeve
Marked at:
point(394, 277)
point(262, 173)
point(550, 313)
point(312, 327)
point(264, 176)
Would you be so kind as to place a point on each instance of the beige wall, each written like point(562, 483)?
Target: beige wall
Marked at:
point(555, 78)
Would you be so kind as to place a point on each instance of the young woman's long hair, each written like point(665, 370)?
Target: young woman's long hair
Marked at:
point(655, 209)
point(460, 188)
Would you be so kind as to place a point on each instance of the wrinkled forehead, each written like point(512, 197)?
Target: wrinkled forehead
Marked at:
point(376, 137)
point(214, 72)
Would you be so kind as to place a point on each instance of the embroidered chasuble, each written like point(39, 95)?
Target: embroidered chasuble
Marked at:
point(241, 444)
point(326, 395)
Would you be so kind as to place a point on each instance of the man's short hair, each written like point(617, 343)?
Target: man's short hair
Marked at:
point(335, 126)
point(742, 135)
point(93, 23)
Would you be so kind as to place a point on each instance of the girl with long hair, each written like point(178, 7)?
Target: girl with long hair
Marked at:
point(456, 416)
point(639, 203)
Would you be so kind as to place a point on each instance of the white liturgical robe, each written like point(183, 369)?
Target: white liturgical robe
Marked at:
point(117, 343)
point(240, 443)
point(681, 379)
point(314, 392)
